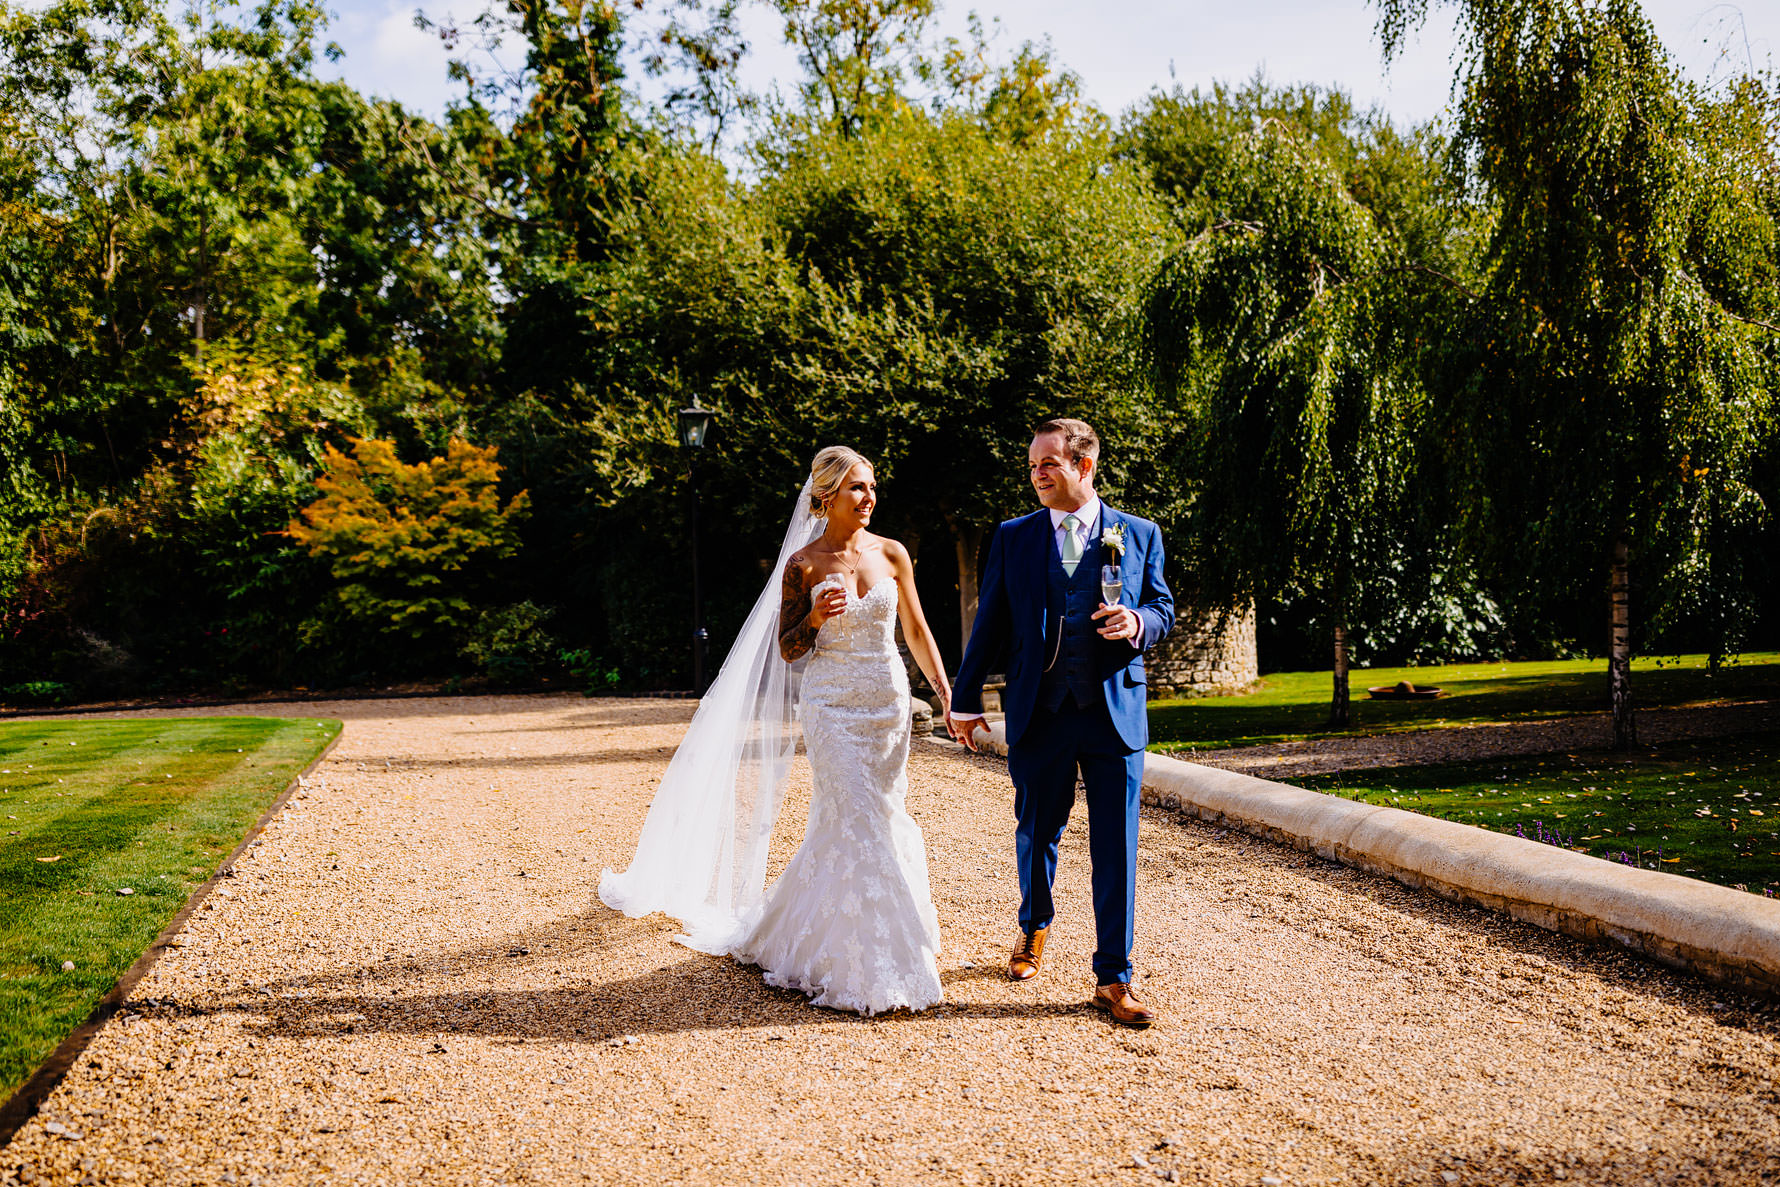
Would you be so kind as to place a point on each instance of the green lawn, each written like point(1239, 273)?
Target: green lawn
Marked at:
point(92, 807)
point(1291, 705)
point(1708, 807)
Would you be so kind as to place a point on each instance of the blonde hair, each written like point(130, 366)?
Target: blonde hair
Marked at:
point(827, 471)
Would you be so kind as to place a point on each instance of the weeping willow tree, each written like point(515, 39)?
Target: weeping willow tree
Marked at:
point(1611, 385)
point(1279, 330)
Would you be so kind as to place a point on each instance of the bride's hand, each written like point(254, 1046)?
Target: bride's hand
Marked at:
point(825, 603)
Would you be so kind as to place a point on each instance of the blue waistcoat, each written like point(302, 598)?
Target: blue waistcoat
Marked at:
point(1072, 600)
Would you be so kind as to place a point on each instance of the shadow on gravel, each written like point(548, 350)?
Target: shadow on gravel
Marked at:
point(993, 973)
point(695, 993)
point(1702, 1161)
point(699, 993)
point(620, 714)
point(580, 758)
point(653, 713)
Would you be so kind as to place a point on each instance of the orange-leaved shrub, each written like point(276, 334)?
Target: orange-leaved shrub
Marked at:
point(411, 546)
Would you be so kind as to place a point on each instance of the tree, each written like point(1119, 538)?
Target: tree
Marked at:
point(1419, 600)
point(410, 545)
point(958, 288)
point(857, 55)
point(541, 152)
point(1612, 382)
point(186, 204)
point(700, 58)
point(1278, 328)
point(257, 433)
point(926, 288)
point(192, 184)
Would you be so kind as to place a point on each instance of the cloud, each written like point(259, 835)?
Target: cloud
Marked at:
point(387, 57)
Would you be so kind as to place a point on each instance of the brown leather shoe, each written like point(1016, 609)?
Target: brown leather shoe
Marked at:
point(1117, 999)
point(1023, 964)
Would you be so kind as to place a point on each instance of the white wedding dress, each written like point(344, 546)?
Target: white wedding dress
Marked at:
point(851, 921)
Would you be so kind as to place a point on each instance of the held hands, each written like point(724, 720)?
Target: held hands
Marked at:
point(965, 731)
point(961, 731)
point(1121, 622)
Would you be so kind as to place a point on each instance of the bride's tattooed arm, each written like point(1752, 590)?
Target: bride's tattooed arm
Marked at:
point(796, 635)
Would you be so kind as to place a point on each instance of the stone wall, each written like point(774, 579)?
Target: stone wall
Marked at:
point(1204, 655)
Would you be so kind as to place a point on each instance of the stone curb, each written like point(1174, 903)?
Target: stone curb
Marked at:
point(1724, 935)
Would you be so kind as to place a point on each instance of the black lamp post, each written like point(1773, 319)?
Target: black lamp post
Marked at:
point(693, 423)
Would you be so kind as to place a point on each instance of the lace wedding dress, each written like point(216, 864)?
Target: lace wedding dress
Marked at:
point(851, 920)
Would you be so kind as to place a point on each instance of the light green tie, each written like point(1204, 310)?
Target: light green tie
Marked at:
point(1072, 547)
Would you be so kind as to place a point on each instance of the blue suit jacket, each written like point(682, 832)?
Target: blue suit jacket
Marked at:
point(1012, 628)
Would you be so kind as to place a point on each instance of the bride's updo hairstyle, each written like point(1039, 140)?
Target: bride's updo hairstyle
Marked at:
point(829, 469)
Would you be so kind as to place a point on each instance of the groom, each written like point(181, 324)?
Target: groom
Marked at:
point(1075, 693)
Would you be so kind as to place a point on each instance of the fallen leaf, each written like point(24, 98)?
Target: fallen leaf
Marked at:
point(57, 857)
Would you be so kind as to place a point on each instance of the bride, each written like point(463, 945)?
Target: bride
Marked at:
point(850, 922)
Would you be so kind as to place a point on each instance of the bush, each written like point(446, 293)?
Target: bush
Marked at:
point(411, 546)
point(245, 487)
point(596, 673)
point(510, 644)
point(38, 692)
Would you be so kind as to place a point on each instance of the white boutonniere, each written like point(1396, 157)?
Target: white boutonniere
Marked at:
point(1113, 539)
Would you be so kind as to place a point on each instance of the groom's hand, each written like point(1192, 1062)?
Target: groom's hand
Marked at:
point(1121, 622)
point(964, 730)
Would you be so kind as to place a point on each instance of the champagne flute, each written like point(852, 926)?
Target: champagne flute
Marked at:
point(832, 581)
point(1112, 584)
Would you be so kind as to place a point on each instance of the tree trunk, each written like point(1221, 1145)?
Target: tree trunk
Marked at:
point(1339, 717)
point(198, 306)
point(1619, 648)
point(967, 539)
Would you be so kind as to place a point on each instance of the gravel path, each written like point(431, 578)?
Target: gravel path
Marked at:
point(411, 981)
point(1484, 739)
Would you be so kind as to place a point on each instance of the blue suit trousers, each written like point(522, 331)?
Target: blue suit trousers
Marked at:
point(1043, 765)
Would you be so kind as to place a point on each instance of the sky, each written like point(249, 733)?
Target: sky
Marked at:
point(1122, 49)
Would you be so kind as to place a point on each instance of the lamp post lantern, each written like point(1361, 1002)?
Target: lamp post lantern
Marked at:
point(693, 423)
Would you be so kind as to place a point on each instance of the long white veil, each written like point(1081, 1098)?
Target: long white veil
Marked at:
point(702, 854)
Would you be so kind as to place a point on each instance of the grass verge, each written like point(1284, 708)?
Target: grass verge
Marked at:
point(1295, 705)
point(93, 808)
point(1705, 807)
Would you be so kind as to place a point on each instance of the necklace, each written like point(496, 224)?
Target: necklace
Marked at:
point(841, 556)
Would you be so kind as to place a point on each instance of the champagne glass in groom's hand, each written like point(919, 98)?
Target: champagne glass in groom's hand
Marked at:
point(1112, 584)
point(1117, 620)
